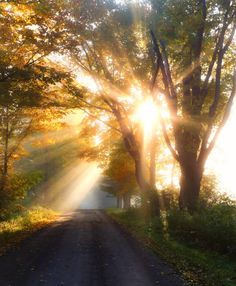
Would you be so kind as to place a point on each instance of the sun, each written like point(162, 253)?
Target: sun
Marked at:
point(146, 117)
point(146, 114)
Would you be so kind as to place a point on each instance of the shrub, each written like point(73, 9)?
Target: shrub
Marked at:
point(213, 227)
point(16, 189)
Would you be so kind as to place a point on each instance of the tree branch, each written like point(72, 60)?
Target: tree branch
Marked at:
point(161, 62)
point(218, 48)
point(167, 139)
point(105, 123)
point(201, 31)
point(168, 83)
point(95, 106)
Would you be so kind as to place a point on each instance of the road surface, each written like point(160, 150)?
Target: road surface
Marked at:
point(84, 248)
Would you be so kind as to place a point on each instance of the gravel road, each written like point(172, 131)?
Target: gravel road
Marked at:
point(84, 248)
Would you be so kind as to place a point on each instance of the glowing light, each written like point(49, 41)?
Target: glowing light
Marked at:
point(87, 81)
point(67, 191)
point(97, 140)
point(74, 118)
point(222, 159)
point(146, 114)
point(163, 108)
point(136, 91)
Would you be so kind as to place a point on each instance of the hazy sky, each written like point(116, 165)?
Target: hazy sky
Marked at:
point(223, 158)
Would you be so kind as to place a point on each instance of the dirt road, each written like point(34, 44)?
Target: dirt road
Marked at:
point(84, 248)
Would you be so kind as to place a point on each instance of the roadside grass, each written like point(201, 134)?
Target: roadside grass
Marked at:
point(196, 265)
point(13, 230)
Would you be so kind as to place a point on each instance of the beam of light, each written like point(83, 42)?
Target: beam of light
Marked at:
point(87, 81)
point(66, 191)
point(146, 117)
point(77, 190)
point(97, 140)
point(74, 118)
point(100, 87)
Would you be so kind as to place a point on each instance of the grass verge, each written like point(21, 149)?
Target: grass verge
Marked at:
point(23, 225)
point(196, 266)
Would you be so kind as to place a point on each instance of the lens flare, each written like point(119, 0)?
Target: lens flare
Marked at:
point(146, 114)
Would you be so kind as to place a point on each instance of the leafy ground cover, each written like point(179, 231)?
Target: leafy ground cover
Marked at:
point(22, 225)
point(197, 264)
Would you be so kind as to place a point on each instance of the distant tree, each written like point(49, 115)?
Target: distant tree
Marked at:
point(120, 172)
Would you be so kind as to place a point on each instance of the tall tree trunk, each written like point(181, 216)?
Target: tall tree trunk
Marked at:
point(153, 151)
point(4, 173)
point(150, 199)
point(191, 172)
point(190, 183)
point(126, 198)
point(119, 201)
point(5, 153)
point(172, 175)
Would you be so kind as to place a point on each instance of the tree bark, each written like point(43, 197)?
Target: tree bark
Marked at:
point(126, 198)
point(153, 151)
point(5, 153)
point(190, 183)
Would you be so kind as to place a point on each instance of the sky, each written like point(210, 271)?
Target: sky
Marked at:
point(222, 161)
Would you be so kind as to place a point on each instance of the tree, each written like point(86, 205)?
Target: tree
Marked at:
point(120, 172)
point(106, 48)
point(194, 55)
point(28, 77)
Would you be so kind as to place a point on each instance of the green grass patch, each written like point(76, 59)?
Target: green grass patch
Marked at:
point(23, 225)
point(196, 265)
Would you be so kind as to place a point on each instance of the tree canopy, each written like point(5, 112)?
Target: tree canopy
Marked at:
point(177, 57)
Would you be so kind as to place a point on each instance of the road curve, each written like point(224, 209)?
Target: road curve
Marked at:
point(84, 248)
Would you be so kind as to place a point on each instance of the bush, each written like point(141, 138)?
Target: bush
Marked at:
point(16, 189)
point(213, 227)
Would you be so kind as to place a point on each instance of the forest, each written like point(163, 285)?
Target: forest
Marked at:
point(130, 97)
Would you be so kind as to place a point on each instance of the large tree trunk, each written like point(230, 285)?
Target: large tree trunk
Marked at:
point(188, 142)
point(190, 183)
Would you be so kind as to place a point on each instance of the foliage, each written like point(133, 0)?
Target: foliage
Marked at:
point(112, 49)
point(13, 230)
point(17, 187)
point(184, 63)
point(111, 44)
point(194, 49)
point(120, 171)
point(197, 264)
point(33, 88)
point(201, 245)
point(211, 228)
point(52, 159)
